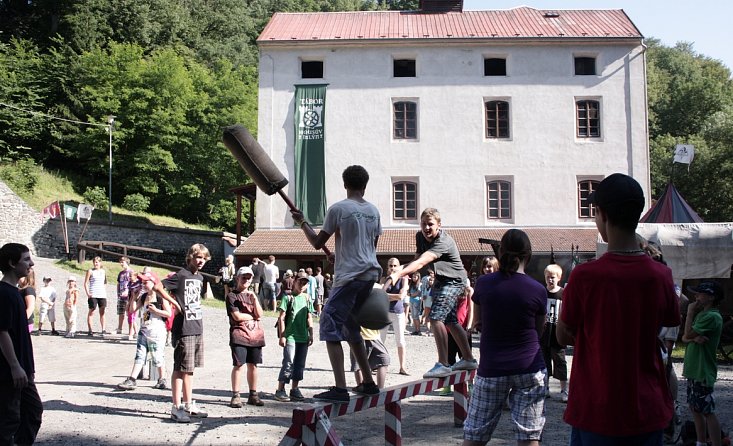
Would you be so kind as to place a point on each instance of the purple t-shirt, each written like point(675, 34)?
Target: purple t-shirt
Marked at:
point(509, 309)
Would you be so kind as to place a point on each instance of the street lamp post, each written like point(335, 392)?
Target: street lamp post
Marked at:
point(111, 122)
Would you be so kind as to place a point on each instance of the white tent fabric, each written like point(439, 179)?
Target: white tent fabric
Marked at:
point(691, 250)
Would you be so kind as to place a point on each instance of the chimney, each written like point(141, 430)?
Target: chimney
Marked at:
point(441, 5)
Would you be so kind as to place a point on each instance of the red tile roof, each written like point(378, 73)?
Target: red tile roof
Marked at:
point(401, 242)
point(522, 22)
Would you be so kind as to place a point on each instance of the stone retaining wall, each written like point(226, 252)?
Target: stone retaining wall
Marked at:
point(22, 224)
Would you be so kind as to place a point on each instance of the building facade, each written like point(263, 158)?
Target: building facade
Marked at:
point(497, 118)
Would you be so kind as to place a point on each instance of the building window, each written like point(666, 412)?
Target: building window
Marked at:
point(404, 68)
point(589, 119)
point(585, 188)
point(312, 69)
point(497, 119)
point(585, 66)
point(405, 120)
point(404, 200)
point(494, 66)
point(500, 200)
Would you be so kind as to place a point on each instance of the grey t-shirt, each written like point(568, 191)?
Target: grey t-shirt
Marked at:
point(356, 226)
point(448, 265)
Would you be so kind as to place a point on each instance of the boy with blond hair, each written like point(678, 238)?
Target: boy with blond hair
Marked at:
point(436, 246)
point(187, 333)
point(552, 351)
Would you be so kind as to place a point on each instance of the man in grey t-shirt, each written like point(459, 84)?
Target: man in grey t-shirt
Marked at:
point(356, 225)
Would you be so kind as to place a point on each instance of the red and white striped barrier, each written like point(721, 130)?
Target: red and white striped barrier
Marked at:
point(311, 424)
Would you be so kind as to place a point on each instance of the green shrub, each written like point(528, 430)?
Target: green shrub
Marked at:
point(22, 175)
point(136, 202)
point(97, 197)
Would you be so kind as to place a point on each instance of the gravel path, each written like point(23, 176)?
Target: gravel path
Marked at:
point(77, 377)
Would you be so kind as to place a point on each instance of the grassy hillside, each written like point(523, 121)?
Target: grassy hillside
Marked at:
point(56, 185)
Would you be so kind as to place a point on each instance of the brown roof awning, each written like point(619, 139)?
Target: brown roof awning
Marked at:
point(401, 242)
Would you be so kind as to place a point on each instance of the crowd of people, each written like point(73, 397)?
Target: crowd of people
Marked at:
point(620, 313)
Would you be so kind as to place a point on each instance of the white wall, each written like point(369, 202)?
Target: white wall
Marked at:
point(451, 156)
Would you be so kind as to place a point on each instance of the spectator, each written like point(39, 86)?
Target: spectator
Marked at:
point(94, 283)
point(27, 286)
point(47, 294)
point(396, 292)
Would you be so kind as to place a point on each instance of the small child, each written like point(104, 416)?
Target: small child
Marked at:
point(246, 336)
point(553, 352)
point(47, 294)
point(124, 280)
point(72, 296)
point(151, 338)
point(377, 355)
point(295, 327)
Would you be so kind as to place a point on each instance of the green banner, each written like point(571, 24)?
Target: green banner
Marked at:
point(310, 158)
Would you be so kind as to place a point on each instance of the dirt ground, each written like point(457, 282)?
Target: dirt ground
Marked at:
point(77, 377)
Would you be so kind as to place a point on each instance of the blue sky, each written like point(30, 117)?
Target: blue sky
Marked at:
point(708, 24)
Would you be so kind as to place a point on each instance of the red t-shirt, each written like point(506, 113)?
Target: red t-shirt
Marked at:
point(616, 306)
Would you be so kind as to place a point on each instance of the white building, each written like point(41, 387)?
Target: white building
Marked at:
point(497, 118)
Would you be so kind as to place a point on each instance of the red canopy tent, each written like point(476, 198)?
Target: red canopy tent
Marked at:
point(671, 208)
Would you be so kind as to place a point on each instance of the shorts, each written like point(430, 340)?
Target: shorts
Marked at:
point(337, 318)
point(154, 343)
point(188, 353)
point(319, 299)
point(121, 306)
point(526, 393)
point(415, 309)
point(94, 302)
point(397, 320)
point(700, 397)
point(584, 438)
point(245, 355)
point(46, 312)
point(376, 354)
point(445, 297)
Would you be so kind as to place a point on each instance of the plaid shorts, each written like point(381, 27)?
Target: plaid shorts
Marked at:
point(121, 305)
point(700, 397)
point(526, 395)
point(445, 296)
point(188, 353)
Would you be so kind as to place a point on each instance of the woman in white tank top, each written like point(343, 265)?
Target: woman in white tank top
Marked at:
point(94, 286)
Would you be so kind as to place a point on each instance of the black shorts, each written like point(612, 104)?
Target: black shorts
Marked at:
point(94, 302)
point(246, 355)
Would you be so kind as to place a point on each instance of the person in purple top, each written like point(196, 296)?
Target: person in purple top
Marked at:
point(511, 306)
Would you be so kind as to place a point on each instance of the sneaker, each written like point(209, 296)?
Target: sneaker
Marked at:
point(127, 384)
point(195, 411)
point(54, 333)
point(179, 414)
point(281, 396)
point(333, 394)
point(105, 333)
point(564, 396)
point(438, 371)
point(162, 384)
point(368, 389)
point(445, 391)
point(38, 333)
point(465, 364)
point(68, 335)
point(236, 401)
point(296, 395)
point(118, 331)
point(254, 400)
point(90, 333)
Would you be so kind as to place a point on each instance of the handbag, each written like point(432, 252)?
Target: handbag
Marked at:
point(252, 334)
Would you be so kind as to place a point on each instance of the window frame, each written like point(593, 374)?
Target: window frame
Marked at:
point(405, 183)
point(411, 71)
point(582, 198)
point(586, 122)
point(487, 118)
point(405, 121)
point(487, 58)
point(312, 61)
point(507, 183)
point(581, 63)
